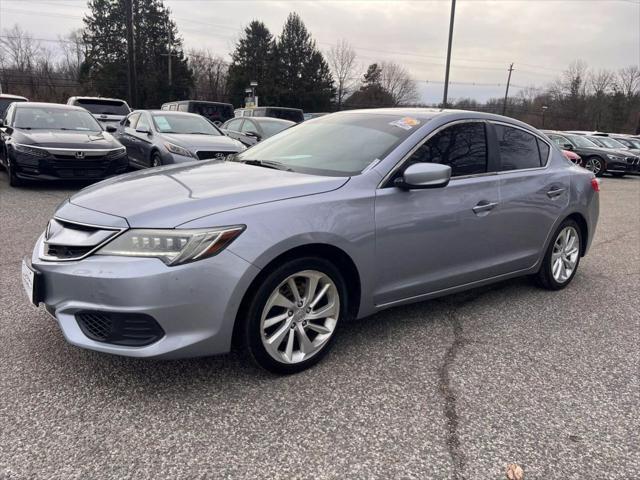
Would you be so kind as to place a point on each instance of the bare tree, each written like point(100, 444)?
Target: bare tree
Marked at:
point(574, 79)
point(342, 61)
point(210, 73)
point(395, 79)
point(628, 80)
point(73, 54)
point(601, 81)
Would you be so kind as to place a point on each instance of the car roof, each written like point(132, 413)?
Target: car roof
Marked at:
point(61, 106)
point(266, 119)
point(197, 101)
point(166, 112)
point(98, 98)
point(8, 95)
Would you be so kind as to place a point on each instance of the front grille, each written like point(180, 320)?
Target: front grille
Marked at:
point(633, 160)
point(207, 155)
point(126, 329)
point(64, 252)
point(66, 240)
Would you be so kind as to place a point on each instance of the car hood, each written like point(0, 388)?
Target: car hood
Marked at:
point(203, 141)
point(169, 196)
point(65, 139)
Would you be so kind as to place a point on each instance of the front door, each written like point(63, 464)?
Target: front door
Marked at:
point(434, 239)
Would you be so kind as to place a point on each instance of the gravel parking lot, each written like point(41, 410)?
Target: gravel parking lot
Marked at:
point(452, 388)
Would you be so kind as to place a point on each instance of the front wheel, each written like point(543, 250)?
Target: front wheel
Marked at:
point(14, 181)
point(596, 165)
point(156, 160)
point(292, 318)
point(562, 258)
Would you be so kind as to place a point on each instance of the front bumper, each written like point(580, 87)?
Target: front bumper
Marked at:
point(195, 304)
point(629, 165)
point(51, 168)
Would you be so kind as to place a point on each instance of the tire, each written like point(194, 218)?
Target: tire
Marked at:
point(14, 181)
point(278, 333)
point(549, 276)
point(156, 160)
point(595, 164)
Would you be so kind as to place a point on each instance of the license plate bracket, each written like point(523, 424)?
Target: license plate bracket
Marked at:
point(32, 282)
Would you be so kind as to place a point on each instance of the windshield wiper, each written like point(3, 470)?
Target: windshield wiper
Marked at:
point(265, 164)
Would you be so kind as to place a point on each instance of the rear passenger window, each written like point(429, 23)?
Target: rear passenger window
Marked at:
point(543, 148)
point(518, 149)
point(463, 147)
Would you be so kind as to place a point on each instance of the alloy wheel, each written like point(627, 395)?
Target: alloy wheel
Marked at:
point(564, 257)
point(300, 316)
point(594, 164)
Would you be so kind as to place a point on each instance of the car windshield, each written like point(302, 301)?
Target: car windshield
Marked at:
point(53, 118)
point(609, 142)
point(104, 107)
point(342, 144)
point(184, 123)
point(633, 143)
point(270, 128)
point(581, 141)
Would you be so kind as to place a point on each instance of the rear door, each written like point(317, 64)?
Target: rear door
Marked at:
point(533, 194)
point(434, 239)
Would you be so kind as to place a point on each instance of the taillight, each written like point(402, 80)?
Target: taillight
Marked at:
point(595, 184)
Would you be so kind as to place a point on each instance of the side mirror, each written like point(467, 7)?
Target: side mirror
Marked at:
point(143, 130)
point(567, 146)
point(253, 135)
point(424, 175)
point(111, 129)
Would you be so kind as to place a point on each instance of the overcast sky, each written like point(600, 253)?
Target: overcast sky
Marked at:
point(541, 37)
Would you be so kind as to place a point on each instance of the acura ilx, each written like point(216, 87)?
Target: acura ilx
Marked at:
point(337, 218)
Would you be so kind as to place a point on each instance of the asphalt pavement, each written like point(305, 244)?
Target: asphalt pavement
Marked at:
point(455, 388)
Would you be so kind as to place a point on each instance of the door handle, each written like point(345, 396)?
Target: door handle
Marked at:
point(555, 192)
point(484, 207)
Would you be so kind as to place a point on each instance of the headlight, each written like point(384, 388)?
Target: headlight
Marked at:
point(172, 246)
point(178, 150)
point(36, 152)
point(614, 157)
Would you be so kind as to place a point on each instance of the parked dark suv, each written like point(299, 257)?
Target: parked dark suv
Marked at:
point(597, 159)
point(216, 112)
point(49, 141)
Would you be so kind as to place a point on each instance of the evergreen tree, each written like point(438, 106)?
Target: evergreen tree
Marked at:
point(252, 60)
point(105, 66)
point(371, 94)
point(303, 76)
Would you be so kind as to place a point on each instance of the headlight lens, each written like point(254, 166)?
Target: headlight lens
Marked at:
point(614, 157)
point(36, 152)
point(174, 246)
point(178, 150)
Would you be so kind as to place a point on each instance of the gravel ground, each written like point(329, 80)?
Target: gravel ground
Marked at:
point(452, 388)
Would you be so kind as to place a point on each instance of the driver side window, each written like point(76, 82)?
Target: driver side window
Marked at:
point(143, 122)
point(130, 121)
point(463, 147)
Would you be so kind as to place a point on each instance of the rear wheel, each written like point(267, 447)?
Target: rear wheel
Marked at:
point(596, 165)
point(562, 258)
point(292, 318)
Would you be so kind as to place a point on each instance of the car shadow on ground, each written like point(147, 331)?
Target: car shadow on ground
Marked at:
point(356, 339)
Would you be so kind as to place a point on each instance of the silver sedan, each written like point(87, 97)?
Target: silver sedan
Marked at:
point(335, 219)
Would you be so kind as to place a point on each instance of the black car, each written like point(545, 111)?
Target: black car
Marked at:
point(252, 130)
point(216, 112)
point(49, 141)
point(597, 159)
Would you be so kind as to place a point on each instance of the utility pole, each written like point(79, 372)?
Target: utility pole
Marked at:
point(131, 58)
point(506, 93)
point(169, 52)
point(446, 75)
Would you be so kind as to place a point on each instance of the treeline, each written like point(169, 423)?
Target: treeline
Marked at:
point(581, 99)
point(289, 68)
